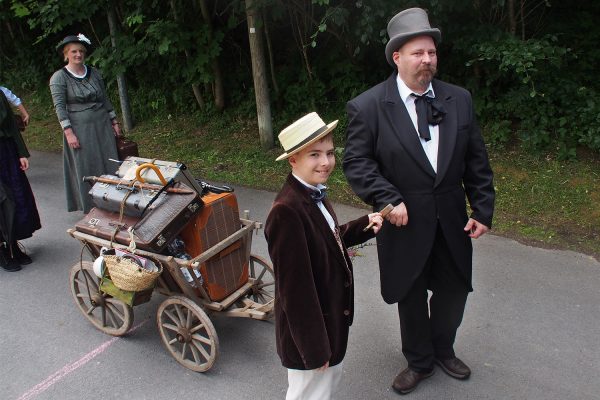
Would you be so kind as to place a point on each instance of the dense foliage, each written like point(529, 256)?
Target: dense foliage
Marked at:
point(529, 63)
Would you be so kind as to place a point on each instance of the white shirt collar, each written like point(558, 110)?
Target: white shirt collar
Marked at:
point(405, 92)
point(77, 75)
point(318, 187)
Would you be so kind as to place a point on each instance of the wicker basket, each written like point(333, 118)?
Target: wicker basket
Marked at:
point(128, 275)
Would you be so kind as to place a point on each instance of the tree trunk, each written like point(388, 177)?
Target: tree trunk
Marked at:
point(198, 95)
point(219, 90)
point(512, 18)
point(271, 60)
point(522, 19)
point(121, 82)
point(10, 31)
point(195, 88)
point(261, 89)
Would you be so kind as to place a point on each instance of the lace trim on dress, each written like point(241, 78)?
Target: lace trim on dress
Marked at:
point(85, 71)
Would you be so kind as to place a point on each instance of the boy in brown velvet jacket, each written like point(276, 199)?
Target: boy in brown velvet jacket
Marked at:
point(314, 282)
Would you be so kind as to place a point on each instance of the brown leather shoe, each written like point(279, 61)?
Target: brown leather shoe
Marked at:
point(454, 367)
point(408, 380)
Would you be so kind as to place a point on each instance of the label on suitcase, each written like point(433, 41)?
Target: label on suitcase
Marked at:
point(227, 271)
point(169, 169)
point(154, 230)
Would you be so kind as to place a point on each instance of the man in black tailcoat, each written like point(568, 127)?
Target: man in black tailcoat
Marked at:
point(413, 142)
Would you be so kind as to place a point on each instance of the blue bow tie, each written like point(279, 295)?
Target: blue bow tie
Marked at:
point(318, 195)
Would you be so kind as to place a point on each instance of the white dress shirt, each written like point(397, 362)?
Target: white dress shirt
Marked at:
point(429, 146)
point(326, 214)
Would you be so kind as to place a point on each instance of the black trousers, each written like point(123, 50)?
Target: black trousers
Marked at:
point(429, 330)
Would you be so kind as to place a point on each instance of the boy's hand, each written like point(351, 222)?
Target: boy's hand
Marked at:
point(324, 367)
point(376, 220)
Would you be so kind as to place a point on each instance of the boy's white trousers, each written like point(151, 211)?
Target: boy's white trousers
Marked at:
point(313, 384)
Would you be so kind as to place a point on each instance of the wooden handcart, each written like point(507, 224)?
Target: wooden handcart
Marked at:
point(183, 317)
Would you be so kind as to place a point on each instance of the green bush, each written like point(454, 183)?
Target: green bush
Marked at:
point(526, 89)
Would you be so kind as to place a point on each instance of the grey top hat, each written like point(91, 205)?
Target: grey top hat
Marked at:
point(406, 25)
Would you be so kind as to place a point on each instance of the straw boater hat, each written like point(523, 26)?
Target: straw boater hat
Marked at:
point(406, 25)
point(302, 133)
point(79, 38)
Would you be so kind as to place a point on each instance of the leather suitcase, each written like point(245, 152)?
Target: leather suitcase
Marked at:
point(169, 169)
point(126, 148)
point(109, 196)
point(227, 271)
point(153, 231)
point(103, 224)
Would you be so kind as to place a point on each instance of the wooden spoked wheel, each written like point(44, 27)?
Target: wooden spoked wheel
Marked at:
point(188, 333)
point(108, 314)
point(263, 291)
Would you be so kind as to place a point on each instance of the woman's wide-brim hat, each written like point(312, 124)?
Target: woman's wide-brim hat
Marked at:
point(303, 133)
point(406, 25)
point(79, 38)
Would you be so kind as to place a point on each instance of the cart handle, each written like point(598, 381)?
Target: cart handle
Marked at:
point(138, 173)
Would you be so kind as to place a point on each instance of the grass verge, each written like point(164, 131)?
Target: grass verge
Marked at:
point(540, 201)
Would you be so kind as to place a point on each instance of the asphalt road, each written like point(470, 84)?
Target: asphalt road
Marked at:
point(531, 329)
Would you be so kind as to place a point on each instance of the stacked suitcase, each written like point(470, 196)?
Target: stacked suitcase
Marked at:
point(201, 222)
point(152, 231)
point(228, 270)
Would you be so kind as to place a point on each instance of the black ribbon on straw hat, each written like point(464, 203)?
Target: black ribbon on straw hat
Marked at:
point(308, 139)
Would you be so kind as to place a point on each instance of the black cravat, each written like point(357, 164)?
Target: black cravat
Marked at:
point(429, 112)
point(421, 108)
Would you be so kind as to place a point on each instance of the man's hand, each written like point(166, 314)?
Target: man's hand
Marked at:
point(24, 163)
point(475, 228)
point(398, 216)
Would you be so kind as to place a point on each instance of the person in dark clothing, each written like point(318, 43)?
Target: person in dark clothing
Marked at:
point(314, 283)
point(19, 216)
point(413, 142)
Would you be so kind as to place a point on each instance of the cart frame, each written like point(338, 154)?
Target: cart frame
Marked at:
point(183, 318)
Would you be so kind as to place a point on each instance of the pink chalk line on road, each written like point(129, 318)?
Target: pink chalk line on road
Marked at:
point(67, 369)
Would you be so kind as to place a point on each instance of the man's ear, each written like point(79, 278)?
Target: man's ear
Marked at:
point(396, 57)
point(292, 161)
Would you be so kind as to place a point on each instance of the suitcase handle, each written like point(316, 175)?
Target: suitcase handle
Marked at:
point(138, 173)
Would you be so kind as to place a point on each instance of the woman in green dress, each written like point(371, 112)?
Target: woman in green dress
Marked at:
point(87, 119)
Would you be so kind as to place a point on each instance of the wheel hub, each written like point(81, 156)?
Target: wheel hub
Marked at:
point(97, 300)
point(184, 335)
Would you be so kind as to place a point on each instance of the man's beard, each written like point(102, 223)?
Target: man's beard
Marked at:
point(425, 75)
